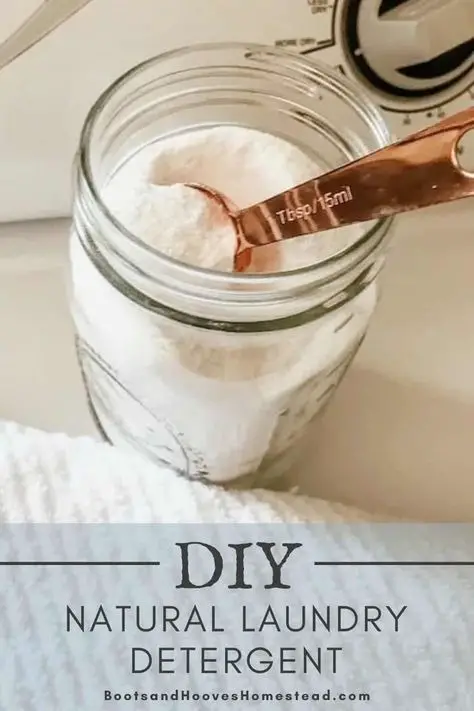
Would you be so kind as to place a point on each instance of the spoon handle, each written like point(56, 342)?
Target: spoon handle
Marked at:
point(416, 172)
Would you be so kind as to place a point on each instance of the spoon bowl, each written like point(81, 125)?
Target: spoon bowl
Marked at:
point(242, 254)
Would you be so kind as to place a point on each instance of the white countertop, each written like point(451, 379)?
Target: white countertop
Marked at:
point(399, 435)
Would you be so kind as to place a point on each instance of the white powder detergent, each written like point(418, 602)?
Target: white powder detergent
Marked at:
point(212, 405)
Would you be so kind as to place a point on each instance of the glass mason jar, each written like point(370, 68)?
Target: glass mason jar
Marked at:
point(217, 376)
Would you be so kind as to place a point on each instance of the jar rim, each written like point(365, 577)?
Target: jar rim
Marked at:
point(357, 97)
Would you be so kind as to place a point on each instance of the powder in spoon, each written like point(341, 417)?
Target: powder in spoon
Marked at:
point(175, 219)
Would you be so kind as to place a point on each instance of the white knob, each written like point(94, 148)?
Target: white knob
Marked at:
point(414, 32)
point(420, 30)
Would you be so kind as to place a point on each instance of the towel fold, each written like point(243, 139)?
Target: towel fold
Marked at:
point(53, 478)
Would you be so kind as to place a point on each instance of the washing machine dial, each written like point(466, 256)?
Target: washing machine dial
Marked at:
point(410, 50)
point(414, 57)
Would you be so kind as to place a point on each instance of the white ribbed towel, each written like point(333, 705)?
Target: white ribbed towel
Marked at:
point(52, 478)
point(426, 666)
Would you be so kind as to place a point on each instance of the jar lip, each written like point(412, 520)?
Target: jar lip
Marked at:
point(337, 81)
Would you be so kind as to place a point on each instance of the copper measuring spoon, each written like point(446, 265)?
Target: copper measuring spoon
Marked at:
point(416, 172)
